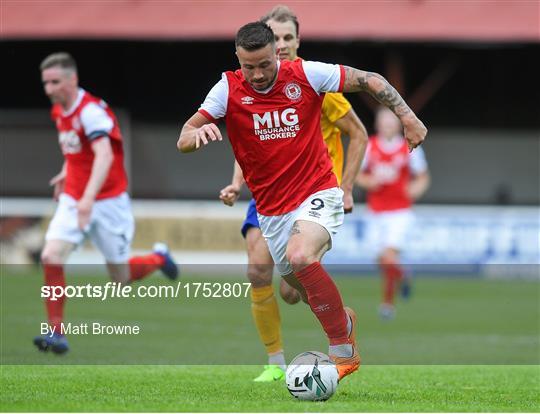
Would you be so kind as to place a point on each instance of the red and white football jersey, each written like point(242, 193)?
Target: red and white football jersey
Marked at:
point(392, 165)
point(276, 134)
point(88, 119)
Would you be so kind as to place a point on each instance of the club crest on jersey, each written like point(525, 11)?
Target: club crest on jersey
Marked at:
point(293, 91)
point(247, 100)
point(69, 142)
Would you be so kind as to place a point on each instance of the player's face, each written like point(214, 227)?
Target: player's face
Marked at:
point(387, 124)
point(287, 42)
point(59, 84)
point(259, 67)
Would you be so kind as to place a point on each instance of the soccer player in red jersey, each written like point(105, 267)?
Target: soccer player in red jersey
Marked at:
point(337, 119)
point(393, 179)
point(272, 112)
point(91, 193)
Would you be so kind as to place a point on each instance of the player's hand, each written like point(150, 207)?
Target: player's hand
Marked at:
point(348, 201)
point(58, 183)
point(415, 132)
point(229, 195)
point(84, 211)
point(207, 133)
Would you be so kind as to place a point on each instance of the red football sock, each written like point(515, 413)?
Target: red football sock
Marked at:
point(54, 276)
point(142, 266)
point(325, 302)
point(392, 274)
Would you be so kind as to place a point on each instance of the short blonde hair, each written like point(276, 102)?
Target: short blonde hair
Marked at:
point(61, 59)
point(282, 14)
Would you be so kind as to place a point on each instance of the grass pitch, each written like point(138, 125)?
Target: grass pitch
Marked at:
point(458, 345)
point(229, 388)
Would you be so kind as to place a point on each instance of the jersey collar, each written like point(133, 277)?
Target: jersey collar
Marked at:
point(77, 102)
point(391, 145)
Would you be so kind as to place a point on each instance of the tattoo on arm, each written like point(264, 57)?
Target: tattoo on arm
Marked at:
point(295, 229)
point(377, 86)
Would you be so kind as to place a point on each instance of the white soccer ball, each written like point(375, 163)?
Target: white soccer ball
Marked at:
point(312, 376)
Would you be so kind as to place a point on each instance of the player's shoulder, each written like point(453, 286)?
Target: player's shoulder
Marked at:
point(92, 101)
point(93, 111)
point(56, 111)
point(232, 83)
point(232, 76)
point(294, 71)
point(232, 80)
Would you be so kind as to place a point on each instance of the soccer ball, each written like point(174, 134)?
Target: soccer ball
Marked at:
point(312, 376)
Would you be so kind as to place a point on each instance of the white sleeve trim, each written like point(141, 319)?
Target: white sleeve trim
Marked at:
point(216, 100)
point(95, 119)
point(323, 77)
point(417, 161)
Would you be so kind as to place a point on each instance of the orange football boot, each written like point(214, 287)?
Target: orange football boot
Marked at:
point(347, 365)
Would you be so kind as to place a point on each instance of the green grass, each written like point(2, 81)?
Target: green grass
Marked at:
point(229, 389)
point(459, 345)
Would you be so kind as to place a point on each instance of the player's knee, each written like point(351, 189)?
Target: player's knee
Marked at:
point(388, 258)
point(51, 256)
point(260, 275)
point(299, 259)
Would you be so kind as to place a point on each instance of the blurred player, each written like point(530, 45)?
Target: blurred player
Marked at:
point(394, 179)
point(91, 192)
point(272, 112)
point(337, 117)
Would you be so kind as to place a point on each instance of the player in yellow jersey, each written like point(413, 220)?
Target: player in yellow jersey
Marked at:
point(337, 118)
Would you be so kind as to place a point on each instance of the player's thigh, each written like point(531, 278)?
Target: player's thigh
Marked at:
point(375, 232)
point(63, 233)
point(113, 228)
point(308, 242)
point(396, 229)
point(260, 263)
point(56, 251)
point(251, 219)
point(316, 221)
point(64, 225)
point(276, 231)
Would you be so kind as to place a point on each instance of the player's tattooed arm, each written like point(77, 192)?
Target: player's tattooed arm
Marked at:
point(378, 87)
point(295, 229)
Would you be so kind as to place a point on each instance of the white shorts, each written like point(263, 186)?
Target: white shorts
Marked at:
point(389, 229)
point(111, 226)
point(324, 207)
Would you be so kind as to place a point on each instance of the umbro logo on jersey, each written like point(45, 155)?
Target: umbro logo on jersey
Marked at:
point(247, 100)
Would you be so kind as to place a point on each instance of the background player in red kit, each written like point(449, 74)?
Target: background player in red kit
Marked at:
point(394, 179)
point(272, 114)
point(91, 192)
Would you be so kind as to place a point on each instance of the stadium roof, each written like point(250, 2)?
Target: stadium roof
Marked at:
point(402, 20)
